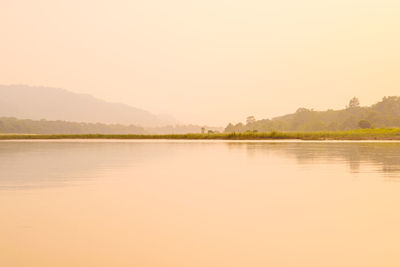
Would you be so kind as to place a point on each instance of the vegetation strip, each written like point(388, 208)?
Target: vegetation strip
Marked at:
point(361, 134)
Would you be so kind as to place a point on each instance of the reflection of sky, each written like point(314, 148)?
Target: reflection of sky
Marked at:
point(33, 164)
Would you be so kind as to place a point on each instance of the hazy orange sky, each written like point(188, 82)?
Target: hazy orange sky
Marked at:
point(208, 61)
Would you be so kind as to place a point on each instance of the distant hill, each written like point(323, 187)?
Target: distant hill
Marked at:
point(385, 113)
point(38, 103)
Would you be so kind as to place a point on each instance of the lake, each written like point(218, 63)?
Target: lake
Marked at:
point(199, 203)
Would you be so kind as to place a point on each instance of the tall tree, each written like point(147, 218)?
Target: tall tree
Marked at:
point(354, 103)
point(250, 119)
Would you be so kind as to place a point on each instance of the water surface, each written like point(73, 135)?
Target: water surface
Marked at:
point(213, 203)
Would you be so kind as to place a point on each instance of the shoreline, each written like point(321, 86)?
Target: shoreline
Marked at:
point(386, 134)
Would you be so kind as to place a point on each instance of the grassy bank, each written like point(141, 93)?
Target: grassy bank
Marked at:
point(362, 134)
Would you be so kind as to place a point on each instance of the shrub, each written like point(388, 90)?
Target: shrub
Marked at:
point(364, 124)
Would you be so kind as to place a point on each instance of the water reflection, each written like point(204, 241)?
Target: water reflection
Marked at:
point(44, 164)
point(198, 204)
point(382, 157)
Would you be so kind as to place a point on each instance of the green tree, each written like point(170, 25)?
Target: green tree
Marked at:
point(354, 103)
point(230, 128)
point(364, 124)
point(250, 120)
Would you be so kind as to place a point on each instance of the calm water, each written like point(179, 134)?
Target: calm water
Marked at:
point(199, 204)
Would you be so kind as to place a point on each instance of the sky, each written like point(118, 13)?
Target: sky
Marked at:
point(210, 61)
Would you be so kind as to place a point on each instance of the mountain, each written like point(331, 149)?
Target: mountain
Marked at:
point(385, 113)
point(38, 103)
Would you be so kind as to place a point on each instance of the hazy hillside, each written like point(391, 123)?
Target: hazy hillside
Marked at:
point(58, 104)
point(385, 113)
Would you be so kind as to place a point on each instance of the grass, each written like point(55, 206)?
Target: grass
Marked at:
point(361, 134)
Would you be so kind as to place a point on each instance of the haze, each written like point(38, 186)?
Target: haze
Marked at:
point(210, 61)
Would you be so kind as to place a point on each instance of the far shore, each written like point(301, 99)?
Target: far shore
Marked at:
point(360, 134)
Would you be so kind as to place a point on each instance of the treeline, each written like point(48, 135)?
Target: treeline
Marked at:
point(24, 126)
point(13, 125)
point(385, 113)
point(182, 129)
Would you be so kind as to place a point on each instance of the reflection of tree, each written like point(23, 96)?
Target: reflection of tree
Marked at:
point(384, 156)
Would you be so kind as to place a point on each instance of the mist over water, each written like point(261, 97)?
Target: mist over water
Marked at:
point(185, 203)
